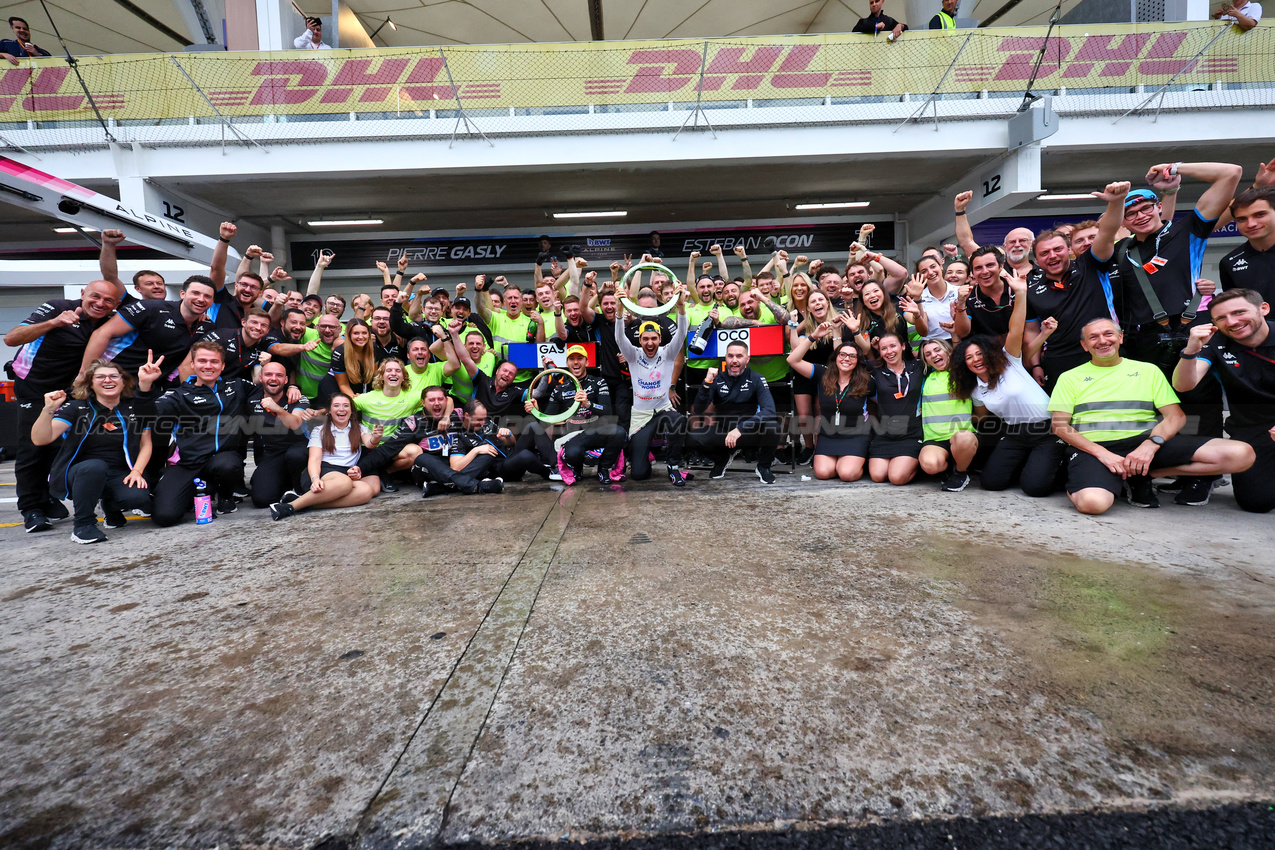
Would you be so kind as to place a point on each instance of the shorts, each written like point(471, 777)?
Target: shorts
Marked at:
point(325, 468)
point(1086, 471)
point(945, 445)
point(803, 386)
point(888, 448)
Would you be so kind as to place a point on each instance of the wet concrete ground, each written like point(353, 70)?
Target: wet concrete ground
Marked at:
point(633, 662)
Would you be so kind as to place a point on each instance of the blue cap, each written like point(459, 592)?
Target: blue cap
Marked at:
point(1140, 195)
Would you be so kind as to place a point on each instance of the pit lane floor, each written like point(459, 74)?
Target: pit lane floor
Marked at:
point(637, 663)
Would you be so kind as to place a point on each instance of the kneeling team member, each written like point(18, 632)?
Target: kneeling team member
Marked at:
point(1107, 411)
point(651, 369)
point(743, 414)
point(593, 425)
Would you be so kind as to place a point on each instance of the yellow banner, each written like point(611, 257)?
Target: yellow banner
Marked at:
point(527, 78)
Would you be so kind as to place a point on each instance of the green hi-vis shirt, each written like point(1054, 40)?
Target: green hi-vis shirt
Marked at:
point(312, 366)
point(505, 330)
point(1109, 403)
point(387, 411)
point(460, 385)
point(941, 414)
point(431, 376)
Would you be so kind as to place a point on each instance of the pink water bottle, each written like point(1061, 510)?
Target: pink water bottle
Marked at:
point(203, 503)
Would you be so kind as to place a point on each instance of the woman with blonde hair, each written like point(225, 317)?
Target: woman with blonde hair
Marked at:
point(354, 361)
point(105, 447)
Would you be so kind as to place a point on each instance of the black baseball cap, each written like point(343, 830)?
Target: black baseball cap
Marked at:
point(461, 302)
point(440, 291)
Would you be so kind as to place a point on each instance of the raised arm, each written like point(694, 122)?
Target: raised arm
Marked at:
point(1017, 318)
point(1104, 244)
point(964, 233)
point(217, 268)
point(742, 253)
point(316, 276)
point(1224, 177)
point(107, 262)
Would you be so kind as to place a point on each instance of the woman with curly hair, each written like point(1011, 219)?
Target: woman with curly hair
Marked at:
point(994, 378)
point(105, 447)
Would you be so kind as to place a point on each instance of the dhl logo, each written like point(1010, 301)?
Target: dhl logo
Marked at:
point(645, 73)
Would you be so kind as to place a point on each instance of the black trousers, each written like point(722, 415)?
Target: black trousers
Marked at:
point(278, 470)
point(1055, 366)
point(1202, 405)
point(609, 438)
point(32, 465)
point(429, 467)
point(1255, 487)
point(667, 423)
point(712, 441)
point(534, 437)
point(175, 490)
point(92, 481)
point(621, 399)
point(1030, 453)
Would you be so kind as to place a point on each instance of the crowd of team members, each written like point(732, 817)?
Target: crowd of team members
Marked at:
point(1050, 361)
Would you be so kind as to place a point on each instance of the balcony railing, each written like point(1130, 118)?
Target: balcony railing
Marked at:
point(248, 98)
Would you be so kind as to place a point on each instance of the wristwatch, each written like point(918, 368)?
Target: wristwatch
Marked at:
point(1157, 439)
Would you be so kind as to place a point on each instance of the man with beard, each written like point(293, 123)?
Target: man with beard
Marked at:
point(432, 468)
point(1016, 249)
point(168, 328)
point(651, 367)
point(279, 444)
point(384, 342)
point(1243, 359)
point(1073, 292)
point(743, 414)
point(51, 342)
point(244, 346)
point(285, 342)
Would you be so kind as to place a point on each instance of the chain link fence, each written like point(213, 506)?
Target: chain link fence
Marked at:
point(1134, 70)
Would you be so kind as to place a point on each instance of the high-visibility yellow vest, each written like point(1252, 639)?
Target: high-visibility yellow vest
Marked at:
point(941, 414)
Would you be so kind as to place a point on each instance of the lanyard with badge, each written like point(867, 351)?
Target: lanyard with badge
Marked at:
point(903, 382)
point(839, 397)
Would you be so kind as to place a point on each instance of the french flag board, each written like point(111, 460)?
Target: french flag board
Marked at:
point(768, 339)
point(533, 355)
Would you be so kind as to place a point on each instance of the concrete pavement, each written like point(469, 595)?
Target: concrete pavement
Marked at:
point(629, 661)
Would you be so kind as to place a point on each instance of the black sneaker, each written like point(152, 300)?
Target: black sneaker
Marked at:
point(388, 486)
point(115, 519)
point(1195, 492)
point(141, 512)
point(1173, 486)
point(433, 488)
point(491, 485)
point(241, 493)
point(955, 482)
point(227, 506)
point(806, 455)
point(675, 476)
point(56, 510)
point(719, 468)
point(88, 534)
point(766, 476)
point(281, 510)
point(289, 497)
point(1141, 493)
point(36, 521)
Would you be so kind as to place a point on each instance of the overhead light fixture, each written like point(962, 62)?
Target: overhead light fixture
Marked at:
point(74, 229)
point(392, 25)
point(1078, 196)
point(344, 222)
point(603, 214)
point(839, 205)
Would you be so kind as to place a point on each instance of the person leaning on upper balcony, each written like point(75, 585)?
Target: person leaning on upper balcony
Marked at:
point(878, 22)
point(946, 17)
point(1245, 17)
point(312, 38)
point(20, 47)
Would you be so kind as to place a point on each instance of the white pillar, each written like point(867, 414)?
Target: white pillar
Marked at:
point(273, 24)
point(279, 245)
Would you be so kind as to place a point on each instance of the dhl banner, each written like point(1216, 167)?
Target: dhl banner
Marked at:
point(409, 82)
